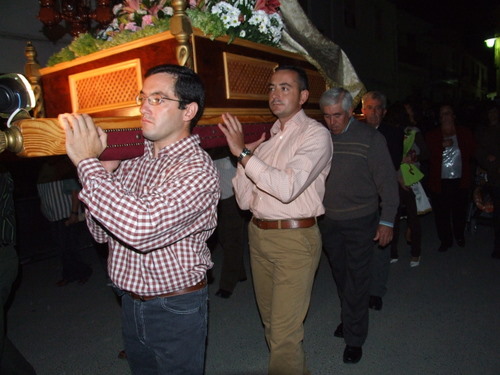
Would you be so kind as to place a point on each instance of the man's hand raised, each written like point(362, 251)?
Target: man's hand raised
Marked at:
point(83, 138)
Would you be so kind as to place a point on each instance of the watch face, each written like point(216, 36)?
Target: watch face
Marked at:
point(244, 153)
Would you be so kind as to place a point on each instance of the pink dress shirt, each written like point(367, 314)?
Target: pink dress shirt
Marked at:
point(285, 178)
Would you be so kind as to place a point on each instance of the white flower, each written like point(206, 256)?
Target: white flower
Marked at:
point(169, 11)
point(228, 14)
point(117, 8)
point(259, 17)
point(260, 25)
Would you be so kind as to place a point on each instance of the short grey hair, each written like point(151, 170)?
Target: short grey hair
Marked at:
point(376, 95)
point(336, 95)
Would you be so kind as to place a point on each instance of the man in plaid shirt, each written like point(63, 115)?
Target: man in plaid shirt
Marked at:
point(155, 212)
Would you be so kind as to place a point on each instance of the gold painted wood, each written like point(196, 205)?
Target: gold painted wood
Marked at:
point(181, 28)
point(32, 72)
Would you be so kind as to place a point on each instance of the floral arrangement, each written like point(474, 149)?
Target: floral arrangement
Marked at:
point(135, 15)
point(258, 21)
point(255, 20)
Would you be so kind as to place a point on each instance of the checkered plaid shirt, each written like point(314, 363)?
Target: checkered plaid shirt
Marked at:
point(156, 215)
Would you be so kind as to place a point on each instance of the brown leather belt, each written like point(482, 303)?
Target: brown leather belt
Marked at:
point(189, 289)
point(284, 224)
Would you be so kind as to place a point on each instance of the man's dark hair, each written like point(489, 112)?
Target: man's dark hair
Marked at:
point(188, 87)
point(303, 81)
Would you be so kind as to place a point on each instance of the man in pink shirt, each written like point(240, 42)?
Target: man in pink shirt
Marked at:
point(282, 182)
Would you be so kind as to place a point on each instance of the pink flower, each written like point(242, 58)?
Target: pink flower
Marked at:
point(132, 27)
point(193, 4)
point(268, 6)
point(131, 6)
point(147, 20)
point(157, 7)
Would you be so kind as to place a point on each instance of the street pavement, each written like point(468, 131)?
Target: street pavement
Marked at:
point(440, 318)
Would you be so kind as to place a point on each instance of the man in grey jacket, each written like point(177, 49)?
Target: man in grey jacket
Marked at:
point(361, 200)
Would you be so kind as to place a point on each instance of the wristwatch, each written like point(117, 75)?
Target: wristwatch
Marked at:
point(244, 153)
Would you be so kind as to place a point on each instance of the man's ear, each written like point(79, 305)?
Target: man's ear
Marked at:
point(304, 95)
point(190, 111)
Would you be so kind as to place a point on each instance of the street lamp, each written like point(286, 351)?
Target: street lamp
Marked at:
point(495, 43)
point(490, 43)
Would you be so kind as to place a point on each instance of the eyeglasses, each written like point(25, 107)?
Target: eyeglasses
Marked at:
point(155, 99)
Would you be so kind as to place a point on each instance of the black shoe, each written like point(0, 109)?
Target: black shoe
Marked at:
point(339, 332)
point(461, 242)
point(442, 248)
point(223, 293)
point(352, 354)
point(375, 303)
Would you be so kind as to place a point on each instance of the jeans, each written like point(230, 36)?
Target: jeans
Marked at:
point(166, 335)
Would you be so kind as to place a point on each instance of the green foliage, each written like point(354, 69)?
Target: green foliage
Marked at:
point(209, 23)
point(128, 36)
point(86, 44)
point(63, 55)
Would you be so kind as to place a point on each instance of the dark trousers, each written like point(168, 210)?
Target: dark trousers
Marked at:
point(349, 246)
point(450, 211)
point(495, 195)
point(11, 360)
point(69, 242)
point(408, 204)
point(230, 235)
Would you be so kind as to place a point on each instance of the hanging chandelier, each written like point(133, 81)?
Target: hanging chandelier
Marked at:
point(77, 14)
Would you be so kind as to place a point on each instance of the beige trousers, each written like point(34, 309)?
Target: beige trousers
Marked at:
point(284, 262)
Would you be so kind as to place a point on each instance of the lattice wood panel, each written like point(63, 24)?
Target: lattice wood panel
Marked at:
point(114, 86)
point(246, 77)
point(317, 85)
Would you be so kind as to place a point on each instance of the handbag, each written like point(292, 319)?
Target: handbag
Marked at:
point(423, 203)
point(411, 174)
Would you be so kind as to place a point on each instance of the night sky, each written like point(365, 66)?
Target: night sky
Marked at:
point(474, 21)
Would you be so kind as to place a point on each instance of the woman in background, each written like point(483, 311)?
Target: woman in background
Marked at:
point(451, 150)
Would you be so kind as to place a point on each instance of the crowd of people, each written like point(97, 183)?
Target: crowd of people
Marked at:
point(343, 186)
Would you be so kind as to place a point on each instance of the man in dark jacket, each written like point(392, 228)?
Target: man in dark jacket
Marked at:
point(373, 107)
point(361, 181)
